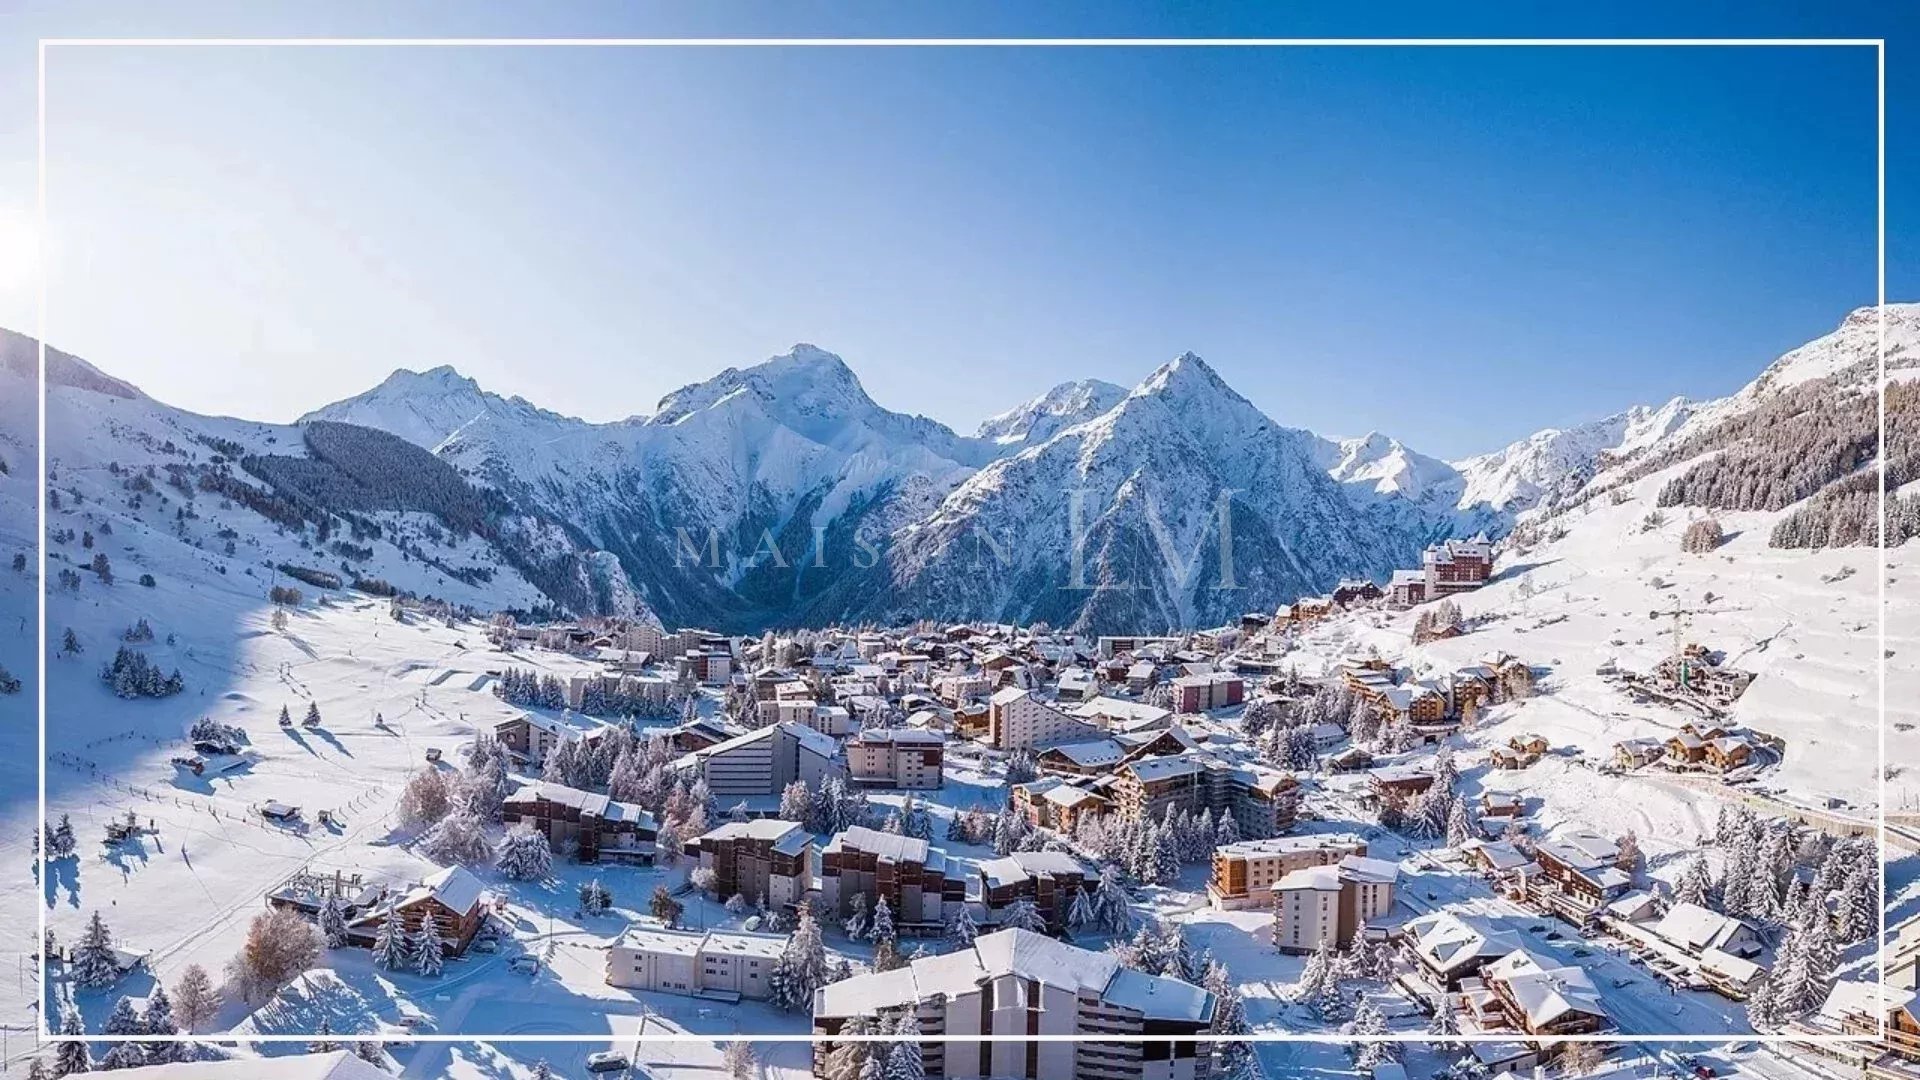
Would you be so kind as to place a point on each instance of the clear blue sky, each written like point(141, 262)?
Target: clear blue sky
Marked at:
point(1455, 247)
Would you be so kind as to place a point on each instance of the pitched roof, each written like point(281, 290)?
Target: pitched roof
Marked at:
point(335, 1065)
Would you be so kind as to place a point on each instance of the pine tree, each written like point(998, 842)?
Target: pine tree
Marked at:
point(429, 950)
point(1696, 884)
point(123, 1020)
point(882, 926)
point(1229, 1018)
point(1023, 915)
point(323, 1042)
point(70, 1055)
point(312, 719)
point(1082, 913)
point(1763, 1013)
point(93, 962)
point(1459, 830)
point(333, 922)
point(1366, 1022)
point(904, 1059)
point(855, 923)
point(157, 1019)
point(390, 949)
point(961, 930)
point(541, 1071)
point(1113, 906)
point(524, 855)
point(1315, 977)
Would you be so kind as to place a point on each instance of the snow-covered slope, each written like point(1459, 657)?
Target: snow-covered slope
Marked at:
point(1034, 422)
point(1519, 475)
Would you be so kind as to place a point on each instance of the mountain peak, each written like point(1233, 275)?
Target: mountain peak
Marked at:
point(442, 379)
point(1037, 420)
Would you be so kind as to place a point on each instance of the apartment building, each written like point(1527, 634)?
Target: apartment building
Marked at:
point(762, 860)
point(1262, 800)
point(723, 966)
point(1330, 904)
point(764, 761)
point(1018, 983)
point(907, 758)
point(596, 826)
point(1203, 693)
point(1017, 720)
point(1456, 566)
point(913, 876)
point(1245, 873)
point(1047, 879)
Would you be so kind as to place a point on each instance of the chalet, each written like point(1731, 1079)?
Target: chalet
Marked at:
point(597, 826)
point(1539, 997)
point(1695, 930)
point(1052, 803)
point(450, 900)
point(1499, 804)
point(1394, 784)
point(1352, 759)
point(1351, 592)
point(1634, 753)
point(1449, 948)
point(1584, 870)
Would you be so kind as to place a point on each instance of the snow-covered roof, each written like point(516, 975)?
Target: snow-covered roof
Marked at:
point(1020, 865)
point(1448, 942)
point(455, 888)
point(1282, 845)
point(897, 736)
point(1316, 878)
point(891, 847)
point(1026, 955)
point(587, 802)
point(335, 1065)
point(1359, 868)
point(1695, 928)
point(1546, 995)
point(1090, 754)
point(756, 829)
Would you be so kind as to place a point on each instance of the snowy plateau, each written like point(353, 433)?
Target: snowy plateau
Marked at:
point(780, 499)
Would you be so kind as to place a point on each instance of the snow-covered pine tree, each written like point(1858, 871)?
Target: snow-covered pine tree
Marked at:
point(70, 1054)
point(961, 929)
point(1081, 913)
point(524, 855)
point(123, 1020)
point(1023, 915)
point(881, 928)
point(333, 922)
point(92, 962)
point(429, 951)
point(390, 948)
point(157, 1019)
point(1696, 883)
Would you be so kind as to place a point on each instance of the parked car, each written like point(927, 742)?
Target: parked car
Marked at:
point(607, 1061)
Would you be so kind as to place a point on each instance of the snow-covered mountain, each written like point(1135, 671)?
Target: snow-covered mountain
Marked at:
point(782, 493)
point(1182, 504)
point(1519, 475)
point(1034, 422)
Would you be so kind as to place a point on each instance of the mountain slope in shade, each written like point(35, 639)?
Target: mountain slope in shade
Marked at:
point(1034, 422)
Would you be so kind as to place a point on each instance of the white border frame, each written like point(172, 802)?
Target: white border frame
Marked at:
point(46, 1035)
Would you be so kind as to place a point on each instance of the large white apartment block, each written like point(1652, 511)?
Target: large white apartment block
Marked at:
point(1017, 720)
point(764, 761)
point(906, 758)
point(1330, 904)
point(721, 965)
point(1016, 983)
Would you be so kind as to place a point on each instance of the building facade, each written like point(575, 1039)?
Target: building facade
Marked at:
point(766, 860)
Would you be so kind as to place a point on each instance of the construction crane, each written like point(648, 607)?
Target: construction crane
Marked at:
point(1682, 619)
